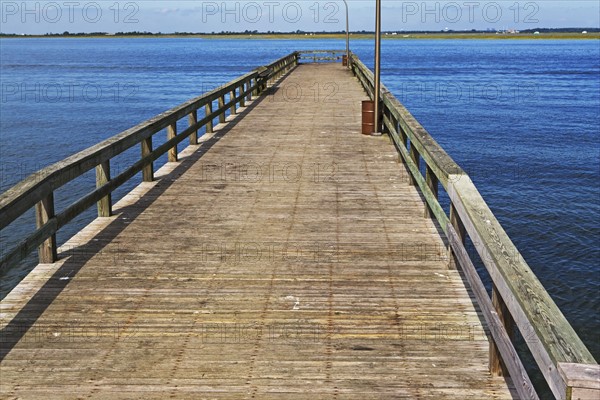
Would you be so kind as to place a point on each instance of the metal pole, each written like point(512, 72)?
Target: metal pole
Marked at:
point(347, 34)
point(377, 94)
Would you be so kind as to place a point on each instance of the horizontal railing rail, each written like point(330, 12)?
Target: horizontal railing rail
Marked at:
point(38, 189)
point(321, 55)
point(518, 298)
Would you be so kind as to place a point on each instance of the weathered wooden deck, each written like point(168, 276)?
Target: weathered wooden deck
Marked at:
point(286, 257)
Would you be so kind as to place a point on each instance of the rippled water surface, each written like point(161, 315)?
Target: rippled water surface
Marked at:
point(521, 117)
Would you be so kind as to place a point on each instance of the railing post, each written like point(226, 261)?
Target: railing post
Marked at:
point(171, 133)
point(44, 211)
point(232, 96)
point(497, 366)
point(416, 158)
point(208, 109)
point(221, 111)
point(243, 98)
point(255, 85)
point(460, 231)
point(148, 170)
point(403, 136)
point(581, 380)
point(102, 178)
point(192, 120)
point(433, 183)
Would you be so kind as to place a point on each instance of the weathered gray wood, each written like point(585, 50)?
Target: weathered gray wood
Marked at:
point(497, 363)
point(433, 184)
point(148, 171)
point(192, 121)
point(582, 380)
point(547, 333)
point(501, 338)
point(416, 159)
point(102, 178)
point(171, 133)
point(44, 211)
point(365, 292)
point(459, 227)
point(402, 127)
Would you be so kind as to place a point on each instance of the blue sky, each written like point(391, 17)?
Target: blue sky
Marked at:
point(38, 17)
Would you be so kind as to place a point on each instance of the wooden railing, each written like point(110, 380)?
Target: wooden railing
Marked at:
point(38, 189)
point(518, 298)
point(316, 56)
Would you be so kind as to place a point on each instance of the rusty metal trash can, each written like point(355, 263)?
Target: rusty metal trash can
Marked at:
point(344, 60)
point(368, 117)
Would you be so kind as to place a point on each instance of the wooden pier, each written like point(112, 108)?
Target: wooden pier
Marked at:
point(281, 254)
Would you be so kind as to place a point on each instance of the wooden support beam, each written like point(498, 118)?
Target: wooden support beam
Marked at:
point(460, 231)
point(148, 171)
point(171, 133)
point(192, 120)
point(102, 178)
point(209, 110)
point(44, 211)
point(232, 96)
point(416, 158)
point(221, 105)
point(497, 365)
point(433, 183)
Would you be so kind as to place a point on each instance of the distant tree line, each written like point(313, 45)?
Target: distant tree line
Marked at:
point(296, 32)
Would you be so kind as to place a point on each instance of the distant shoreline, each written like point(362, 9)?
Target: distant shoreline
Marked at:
point(320, 36)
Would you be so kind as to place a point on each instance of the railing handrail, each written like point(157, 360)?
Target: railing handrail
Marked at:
point(321, 55)
point(39, 186)
point(549, 336)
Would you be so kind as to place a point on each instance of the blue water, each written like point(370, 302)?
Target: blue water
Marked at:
point(521, 117)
